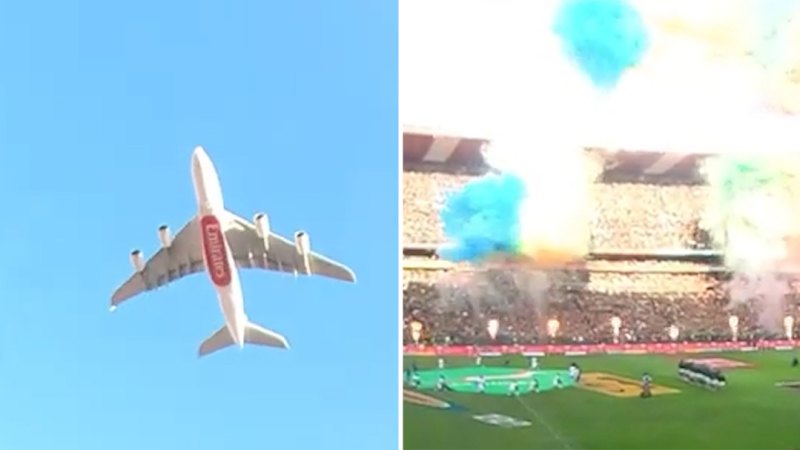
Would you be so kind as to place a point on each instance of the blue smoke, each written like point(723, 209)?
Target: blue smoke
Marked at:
point(771, 40)
point(483, 218)
point(603, 37)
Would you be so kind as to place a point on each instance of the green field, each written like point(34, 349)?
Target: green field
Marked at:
point(751, 412)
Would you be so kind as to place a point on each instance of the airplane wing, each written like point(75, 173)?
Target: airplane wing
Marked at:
point(183, 257)
point(249, 252)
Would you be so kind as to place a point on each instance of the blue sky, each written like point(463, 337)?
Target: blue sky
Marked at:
point(101, 104)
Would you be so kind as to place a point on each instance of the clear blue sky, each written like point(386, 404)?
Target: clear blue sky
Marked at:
point(101, 104)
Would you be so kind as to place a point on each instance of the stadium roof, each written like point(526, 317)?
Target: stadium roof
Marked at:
point(422, 145)
point(425, 145)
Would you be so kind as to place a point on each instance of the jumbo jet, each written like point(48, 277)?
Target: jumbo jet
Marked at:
point(220, 242)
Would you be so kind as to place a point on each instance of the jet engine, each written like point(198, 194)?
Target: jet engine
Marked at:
point(303, 246)
point(137, 260)
point(302, 243)
point(262, 224)
point(164, 236)
point(262, 228)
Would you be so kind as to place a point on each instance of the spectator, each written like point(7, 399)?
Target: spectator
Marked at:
point(454, 306)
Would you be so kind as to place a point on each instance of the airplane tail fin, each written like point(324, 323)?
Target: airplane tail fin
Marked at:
point(253, 334)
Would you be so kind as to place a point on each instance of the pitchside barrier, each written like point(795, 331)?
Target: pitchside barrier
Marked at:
point(610, 349)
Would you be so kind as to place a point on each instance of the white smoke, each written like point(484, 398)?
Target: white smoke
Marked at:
point(765, 292)
point(496, 286)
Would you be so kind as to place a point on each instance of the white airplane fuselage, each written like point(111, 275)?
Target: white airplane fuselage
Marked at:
point(217, 254)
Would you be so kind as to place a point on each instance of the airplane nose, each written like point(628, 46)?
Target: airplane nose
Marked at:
point(199, 151)
point(200, 160)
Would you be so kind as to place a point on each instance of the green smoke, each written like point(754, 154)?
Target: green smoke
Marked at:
point(748, 205)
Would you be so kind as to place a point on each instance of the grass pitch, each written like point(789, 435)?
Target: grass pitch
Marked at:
point(605, 412)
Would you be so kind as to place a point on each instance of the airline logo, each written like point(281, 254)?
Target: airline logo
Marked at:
point(214, 249)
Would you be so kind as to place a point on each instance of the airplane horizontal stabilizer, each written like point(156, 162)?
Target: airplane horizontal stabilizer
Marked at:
point(253, 334)
point(220, 339)
point(257, 335)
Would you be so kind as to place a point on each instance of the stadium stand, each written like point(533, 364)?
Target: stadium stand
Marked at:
point(651, 264)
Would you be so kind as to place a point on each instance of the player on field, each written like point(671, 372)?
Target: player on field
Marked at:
point(647, 382)
point(575, 372)
point(415, 379)
point(481, 384)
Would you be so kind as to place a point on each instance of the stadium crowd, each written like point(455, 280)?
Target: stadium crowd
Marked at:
point(455, 305)
point(628, 215)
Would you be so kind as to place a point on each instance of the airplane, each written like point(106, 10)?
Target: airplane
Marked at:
point(220, 242)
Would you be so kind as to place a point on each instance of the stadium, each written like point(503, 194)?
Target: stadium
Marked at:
point(651, 300)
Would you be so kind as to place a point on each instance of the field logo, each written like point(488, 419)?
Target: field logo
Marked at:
point(521, 375)
point(502, 421)
point(720, 363)
point(421, 399)
point(214, 249)
point(793, 385)
point(617, 386)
